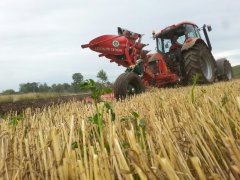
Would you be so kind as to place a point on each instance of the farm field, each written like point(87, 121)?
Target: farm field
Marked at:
point(175, 133)
point(34, 96)
point(20, 102)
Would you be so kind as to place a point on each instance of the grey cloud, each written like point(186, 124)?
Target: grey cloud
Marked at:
point(40, 40)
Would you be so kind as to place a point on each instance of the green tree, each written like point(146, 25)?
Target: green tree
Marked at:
point(8, 92)
point(44, 88)
point(102, 76)
point(28, 87)
point(57, 88)
point(65, 87)
point(77, 80)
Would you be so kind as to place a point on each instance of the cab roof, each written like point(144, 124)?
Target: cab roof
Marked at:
point(173, 29)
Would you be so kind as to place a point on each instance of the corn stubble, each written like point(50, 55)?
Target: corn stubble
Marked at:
point(170, 136)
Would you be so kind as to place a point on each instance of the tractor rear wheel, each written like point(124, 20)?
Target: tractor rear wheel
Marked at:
point(199, 60)
point(128, 84)
point(224, 70)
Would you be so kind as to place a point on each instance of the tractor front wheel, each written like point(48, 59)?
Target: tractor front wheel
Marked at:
point(128, 84)
point(199, 60)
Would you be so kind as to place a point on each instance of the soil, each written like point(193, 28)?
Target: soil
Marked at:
point(19, 106)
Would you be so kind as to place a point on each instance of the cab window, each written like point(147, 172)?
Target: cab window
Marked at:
point(181, 39)
point(192, 31)
point(197, 32)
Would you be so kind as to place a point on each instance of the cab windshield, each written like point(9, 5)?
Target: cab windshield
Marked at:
point(179, 34)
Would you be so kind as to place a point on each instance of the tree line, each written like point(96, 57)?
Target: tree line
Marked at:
point(73, 87)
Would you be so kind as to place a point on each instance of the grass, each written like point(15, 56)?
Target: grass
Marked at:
point(236, 71)
point(161, 134)
point(31, 96)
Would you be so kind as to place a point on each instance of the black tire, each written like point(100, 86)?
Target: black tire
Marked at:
point(199, 60)
point(224, 70)
point(128, 84)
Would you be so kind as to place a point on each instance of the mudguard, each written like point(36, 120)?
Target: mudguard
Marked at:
point(190, 43)
point(161, 64)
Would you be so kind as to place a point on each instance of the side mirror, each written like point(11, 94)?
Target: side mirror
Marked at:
point(209, 28)
point(153, 34)
point(167, 46)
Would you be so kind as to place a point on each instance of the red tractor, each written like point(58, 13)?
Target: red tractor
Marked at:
point(181, 55)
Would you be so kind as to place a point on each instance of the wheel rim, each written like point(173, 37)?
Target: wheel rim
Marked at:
point(131, 89)
point(229, 73)
point(207, 67)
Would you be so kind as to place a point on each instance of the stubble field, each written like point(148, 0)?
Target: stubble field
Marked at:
point(180, 133)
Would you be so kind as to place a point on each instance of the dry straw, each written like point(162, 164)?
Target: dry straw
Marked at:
point(161, 134)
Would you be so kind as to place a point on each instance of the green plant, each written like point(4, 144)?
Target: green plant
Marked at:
point(224, 100)
point(139, 125)
point(96, 92)
point(195, 79)
point(15, 119)
point(193, 95)
point(74, 145)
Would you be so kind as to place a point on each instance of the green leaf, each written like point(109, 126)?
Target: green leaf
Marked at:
point(195, 79)
point(107, 90)
point(107, 147)
point(109, 108)
point(124, 119)
point(125, 144)
point(88, 85)
point(135, 114)
point(224, 100)
point(94, 119)
point(204, 91)
point(14, 120)
point(142, 123)
point(74, 145)
point(108, 105)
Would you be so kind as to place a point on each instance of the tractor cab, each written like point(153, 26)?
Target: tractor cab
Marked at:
point(173, 37)
point(174, 40)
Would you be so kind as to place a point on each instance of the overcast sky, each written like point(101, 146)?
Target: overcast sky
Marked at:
point(40, 40)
